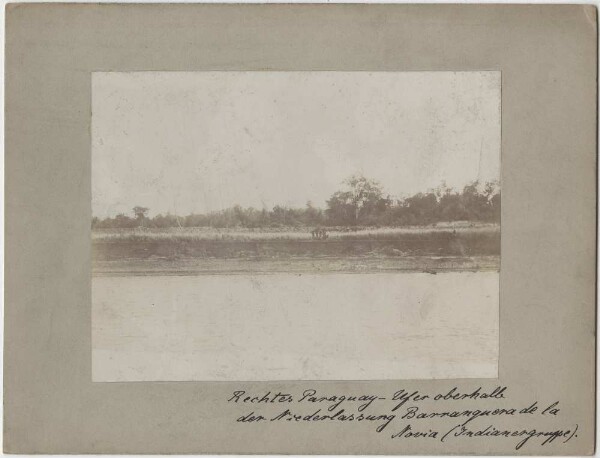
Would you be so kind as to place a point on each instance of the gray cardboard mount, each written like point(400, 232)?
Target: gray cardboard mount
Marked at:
point(547, 56)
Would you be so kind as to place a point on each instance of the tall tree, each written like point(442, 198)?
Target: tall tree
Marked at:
point(140, 214)
point(360, 201)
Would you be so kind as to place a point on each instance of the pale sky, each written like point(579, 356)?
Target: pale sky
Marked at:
point(185, 142)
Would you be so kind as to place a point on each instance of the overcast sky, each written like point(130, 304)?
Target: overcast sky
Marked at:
point(184, 142)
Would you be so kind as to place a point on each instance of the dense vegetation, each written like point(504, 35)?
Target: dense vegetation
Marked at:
point(362, 202)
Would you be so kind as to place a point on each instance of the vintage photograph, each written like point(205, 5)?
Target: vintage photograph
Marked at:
point(295, 225)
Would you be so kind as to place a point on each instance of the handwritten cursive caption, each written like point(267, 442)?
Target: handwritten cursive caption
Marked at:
point(414, 414)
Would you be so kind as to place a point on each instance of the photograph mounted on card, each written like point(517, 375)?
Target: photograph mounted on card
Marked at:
point(300, 229)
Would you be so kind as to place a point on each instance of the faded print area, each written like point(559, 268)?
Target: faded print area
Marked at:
point(295, 225)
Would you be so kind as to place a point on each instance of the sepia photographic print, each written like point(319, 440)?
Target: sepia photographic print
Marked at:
point(295, 225)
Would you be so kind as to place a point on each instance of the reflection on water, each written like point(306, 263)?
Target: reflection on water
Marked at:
point(295, 327)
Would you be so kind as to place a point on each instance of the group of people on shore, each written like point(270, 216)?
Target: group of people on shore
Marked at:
point(319, 234)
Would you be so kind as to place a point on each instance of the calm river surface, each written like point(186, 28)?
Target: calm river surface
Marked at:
point(295, 327)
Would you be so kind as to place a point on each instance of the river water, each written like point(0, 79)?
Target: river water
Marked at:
point(295, 327)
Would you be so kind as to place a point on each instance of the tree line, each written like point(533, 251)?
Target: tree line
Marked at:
point(361, 202)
